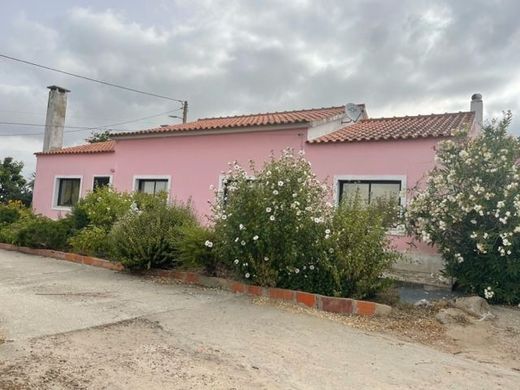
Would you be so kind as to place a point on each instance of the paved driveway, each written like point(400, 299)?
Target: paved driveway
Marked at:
point(73, 326)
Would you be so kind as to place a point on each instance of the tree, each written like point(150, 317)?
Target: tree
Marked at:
point(470, 208)
point(99, 136)
point(13, 185)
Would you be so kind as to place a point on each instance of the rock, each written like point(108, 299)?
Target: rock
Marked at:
point(452, 316)
point(476, 306)
point(423, 303)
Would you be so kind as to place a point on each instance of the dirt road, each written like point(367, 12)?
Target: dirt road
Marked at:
point(69, 326)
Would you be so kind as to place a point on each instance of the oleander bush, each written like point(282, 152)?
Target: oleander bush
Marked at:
point(274, 227)
point(93, 217)
point(144, 237)
point(101, 208)
point(470, 209)
point(363, 251)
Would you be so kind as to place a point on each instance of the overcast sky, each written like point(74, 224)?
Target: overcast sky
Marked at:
point(231, 57)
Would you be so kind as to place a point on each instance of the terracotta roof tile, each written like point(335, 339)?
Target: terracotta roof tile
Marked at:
point(253, 120)
point(420, 126)
point(98, 147)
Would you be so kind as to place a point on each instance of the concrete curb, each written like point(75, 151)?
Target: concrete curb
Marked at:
point(316, 301)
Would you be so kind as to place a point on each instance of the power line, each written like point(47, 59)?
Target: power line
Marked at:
point(80, 128)
point(92, 79)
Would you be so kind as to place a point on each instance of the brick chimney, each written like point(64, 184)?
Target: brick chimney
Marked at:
point(56, 110)
point(477, 107)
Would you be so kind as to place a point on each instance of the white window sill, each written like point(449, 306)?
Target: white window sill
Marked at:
point(62, 208)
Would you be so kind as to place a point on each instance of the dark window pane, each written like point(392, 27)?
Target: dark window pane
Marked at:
point(152, 186)
point(101, 181)
point(385, 191)
point(370, 190)
point(68, 192)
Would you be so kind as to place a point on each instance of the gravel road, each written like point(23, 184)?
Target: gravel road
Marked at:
point(69, 326)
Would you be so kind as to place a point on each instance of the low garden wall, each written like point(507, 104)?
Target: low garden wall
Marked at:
point(316, 301)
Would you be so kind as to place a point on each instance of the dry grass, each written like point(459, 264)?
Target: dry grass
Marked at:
point(406, 322)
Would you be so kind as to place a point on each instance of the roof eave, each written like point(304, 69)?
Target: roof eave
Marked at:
point(223, 130)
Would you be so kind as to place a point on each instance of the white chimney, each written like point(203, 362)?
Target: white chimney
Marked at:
point(56, 110)
point(478, 108)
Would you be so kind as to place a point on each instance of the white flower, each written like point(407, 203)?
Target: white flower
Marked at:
point(268, 209)
point(480, 248)
point(488, 293)
point(459, 258)
point(473, 235)
point(327, 231)
point(272, 218)
point(266, 258)
point(275, 192)
point(208, 243)
point(294, 195)
point(331, 250)
point(242, 243)
point(224, 216)
point(297, 270)
point(280, 183)
point(463, 154)
point(241, 227)
point(311, 267)
point(236, 261)
point(247, 275)
point(236, 239)
point(255, 238)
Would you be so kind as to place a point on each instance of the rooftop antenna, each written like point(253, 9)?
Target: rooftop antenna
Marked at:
point(352, 113)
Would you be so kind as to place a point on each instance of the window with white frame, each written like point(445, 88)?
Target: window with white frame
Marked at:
point(67, 191)
point(152, 186)
point(370, 190)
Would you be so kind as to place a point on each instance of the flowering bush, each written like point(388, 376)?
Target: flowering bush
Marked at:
point(101, 208)
point(273, 228)
point(363, 251)
point(470, 209)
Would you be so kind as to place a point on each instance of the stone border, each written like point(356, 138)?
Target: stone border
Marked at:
point(72, 257)
point(316, 301)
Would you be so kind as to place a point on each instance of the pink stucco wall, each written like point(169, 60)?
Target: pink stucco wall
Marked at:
point(48, 167)
point(195, 162)
point(411, 159)
point(192, 162)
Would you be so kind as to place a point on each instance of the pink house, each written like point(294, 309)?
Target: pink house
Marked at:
point(374, 155)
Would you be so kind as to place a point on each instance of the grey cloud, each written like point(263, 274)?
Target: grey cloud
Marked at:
point(398, 57)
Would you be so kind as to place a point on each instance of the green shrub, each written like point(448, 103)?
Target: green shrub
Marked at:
point(271, 230)
point(146, 238)
point(101, 208)
point(11, 212)
point(362, 255)
point(470, 208)
point(43, 232)
point(91, 241)
point(195, 247)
